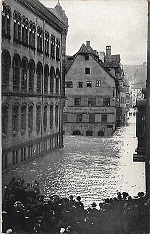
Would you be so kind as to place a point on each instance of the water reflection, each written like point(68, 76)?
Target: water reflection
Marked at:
point(90, 167)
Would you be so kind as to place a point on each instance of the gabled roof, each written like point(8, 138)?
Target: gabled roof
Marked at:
point(87, 50)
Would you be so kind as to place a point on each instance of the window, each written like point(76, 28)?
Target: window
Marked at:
point(98, 83)
point(104, 118)
point(89, 84)
point(87, 70)
point(86, 56)
point(46, 43)
point(31, 75)
point(23, 119)
point(57, 49)
point(45, 118)
point(24, 75)
point(46, 74)
point(57, 80)
point(80, 84)
point(4, 120)
point(15, 119)
point(38, 118)
point(25, 26)
point(52, 76)
point(30, 119)
point(51, 116)
point(56, 115)
point(79, 118)
point(106, 101)
point(52, 47)
point(64, 118)
point(6, 16)
point(6, 63)
point(39, 77)
point(39, 39)
point(68, 84)
point(91, 101)
point(15, 157)
point(91, 118)
point(16, 72)
point(77, 101)
point(32, 30)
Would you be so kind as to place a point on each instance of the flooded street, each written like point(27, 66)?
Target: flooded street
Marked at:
point(94, 168)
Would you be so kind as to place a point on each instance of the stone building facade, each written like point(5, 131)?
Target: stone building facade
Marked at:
point(33, 52)
point(90, 107)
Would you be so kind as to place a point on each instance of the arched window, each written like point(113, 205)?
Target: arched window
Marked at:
point(23, 119)
point(25, 31)
point(32, 30)
point(52, 75)
point(56, 115)
point(39, 77)
point(38, 118)
point(52, 47)
point(4, 119)
point(39, 39)
point(17, 27)
point(24, 75)
point(6, 16)
point(31, 75)
point(46, 43)
point(45, 118)
point(16, 72)
point(30, 118)
point(46, 74)
point(57, 80)
point(6, 63)
point(57, 49)
point(51, 116)
point(15, 119)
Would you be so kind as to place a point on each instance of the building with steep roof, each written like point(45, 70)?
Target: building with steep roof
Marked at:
point(33, 75)
point(90, 107)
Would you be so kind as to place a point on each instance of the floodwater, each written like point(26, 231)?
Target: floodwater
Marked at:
point(94, 168)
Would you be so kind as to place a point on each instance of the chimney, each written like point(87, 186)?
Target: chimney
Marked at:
point(108, 50)
point(88, 44)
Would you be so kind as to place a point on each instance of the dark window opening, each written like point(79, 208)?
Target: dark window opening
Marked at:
point(57, 50)
point(86, 56)
point(45, 118)
point(38, 118)
point(77, 102)
point(89, 133)
point(106, 101)
point(80, 84)
point(23, 119)
point(89, 84)
point(91, 118)
point(76, 132)
point(79, 118)
point(104, 118)
point(51, 116)
point(87, 70)
point(68, 84)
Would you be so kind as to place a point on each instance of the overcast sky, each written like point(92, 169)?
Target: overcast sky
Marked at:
point(121, 24)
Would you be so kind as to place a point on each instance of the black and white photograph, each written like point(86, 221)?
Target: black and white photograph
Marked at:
point(75, 117)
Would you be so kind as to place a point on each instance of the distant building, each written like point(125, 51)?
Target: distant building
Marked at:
point(90, 108)
point(33, 52)
point(137, 75)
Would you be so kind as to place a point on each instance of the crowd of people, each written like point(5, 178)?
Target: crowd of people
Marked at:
point(26, 210)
